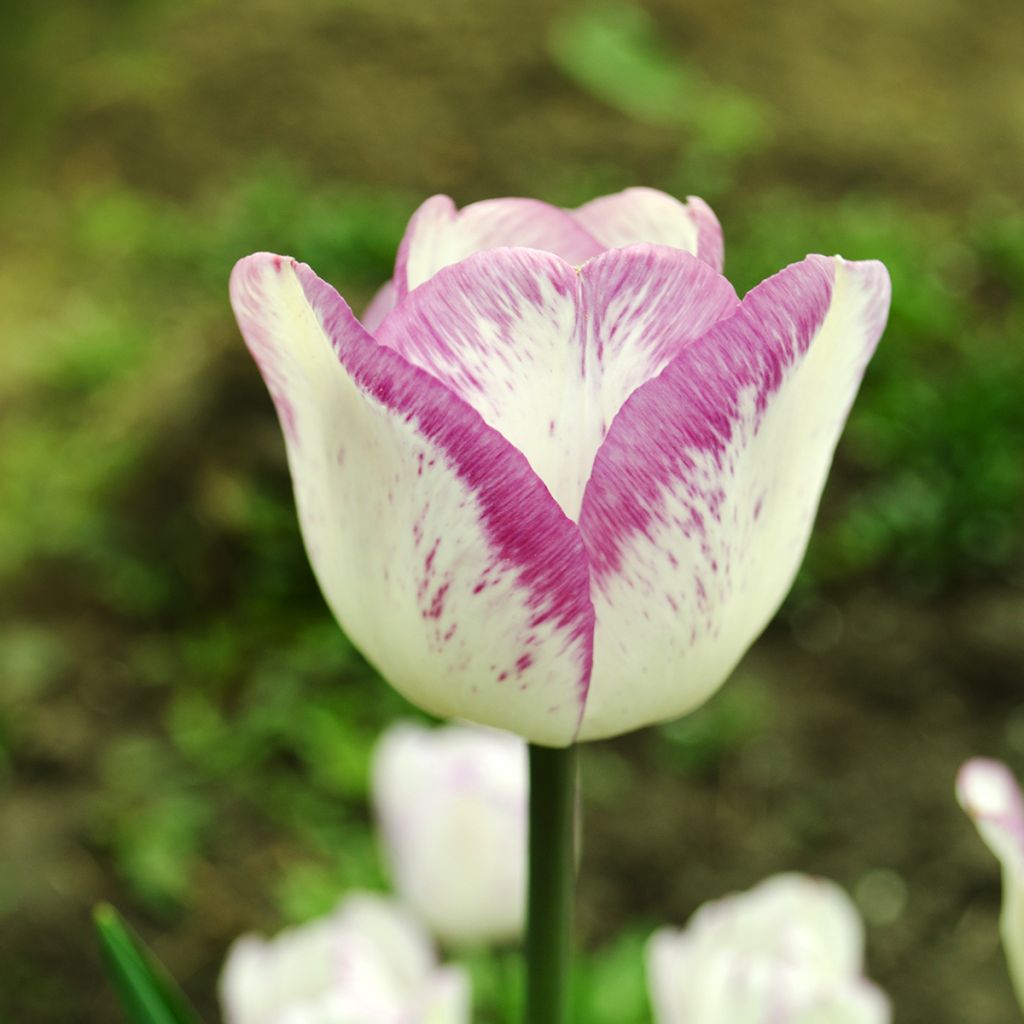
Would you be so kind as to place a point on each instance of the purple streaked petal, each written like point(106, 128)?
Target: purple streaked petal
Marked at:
point(499, 330)
point(647, 215)
point(703, 495)
point(547, 354)
point(380, 305)
point(439, 234)
point(438, 549)
point(642, 305)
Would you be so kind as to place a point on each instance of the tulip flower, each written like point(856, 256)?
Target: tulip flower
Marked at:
point(370, 962)
point(788, 951)
point(451, 804)
point(568, 476)
point(990, 794)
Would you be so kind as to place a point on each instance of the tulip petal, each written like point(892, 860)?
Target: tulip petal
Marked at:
point(647, 215)
point(546, 353)
point(438, 549)
point(439, 234)
point(859, 1002)
point(702, 496)
point(380, 305)
point(990, 794)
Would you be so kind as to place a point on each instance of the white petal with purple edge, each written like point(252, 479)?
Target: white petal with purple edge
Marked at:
point(703, 495)
point(439, 234)
point(989, 793)
point(439, 551)
point(546, 353)
point(647, 215)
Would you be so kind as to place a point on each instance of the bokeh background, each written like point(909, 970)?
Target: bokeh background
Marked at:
point(184, 731)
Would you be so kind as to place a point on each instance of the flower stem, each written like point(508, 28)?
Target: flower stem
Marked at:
point(552, 879)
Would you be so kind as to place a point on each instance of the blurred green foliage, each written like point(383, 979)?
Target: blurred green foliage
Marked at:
point(615, 52)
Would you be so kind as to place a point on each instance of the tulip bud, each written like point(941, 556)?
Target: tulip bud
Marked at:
point(369, 962)
point(451, 803)
point(788, 951)
point(990, 794)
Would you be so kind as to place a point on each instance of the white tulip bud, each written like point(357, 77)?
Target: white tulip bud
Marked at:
point(452, 808)
point(370, 962)
point(788, 951)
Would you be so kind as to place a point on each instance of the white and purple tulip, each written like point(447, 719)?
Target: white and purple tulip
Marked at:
point(370, 962)
point(989, 793)
point(788, 951)
point(560, 477)
point(451, 805)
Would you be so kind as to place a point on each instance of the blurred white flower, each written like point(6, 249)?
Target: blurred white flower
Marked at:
point(989, 793)
point(452, 808)
point(788, 951)
point(369, 962)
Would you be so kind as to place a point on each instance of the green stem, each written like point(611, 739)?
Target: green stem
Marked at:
point(552, 879)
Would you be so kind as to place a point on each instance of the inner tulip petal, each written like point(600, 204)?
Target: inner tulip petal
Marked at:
point(647, 215)
point(702, 496)
point(438, 549)
point(547, 354)
point(440, 234)
point(380, 305)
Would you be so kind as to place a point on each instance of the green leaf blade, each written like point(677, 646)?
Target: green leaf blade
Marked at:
point(147, 992)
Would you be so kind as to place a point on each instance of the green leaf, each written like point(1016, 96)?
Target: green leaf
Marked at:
point(613, 51)
point(148, 994)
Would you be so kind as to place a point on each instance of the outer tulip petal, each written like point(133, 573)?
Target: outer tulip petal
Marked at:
point(440, 234)
point(380, 305)
point(436, 546)
point(647, 215)
point(546, 353)
point(989, 793)
point(702, 497)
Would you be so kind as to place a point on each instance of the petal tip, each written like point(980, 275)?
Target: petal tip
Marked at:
point(986, 788)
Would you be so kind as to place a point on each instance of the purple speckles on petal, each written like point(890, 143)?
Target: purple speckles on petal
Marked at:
point(428, 562)
point(436, 607)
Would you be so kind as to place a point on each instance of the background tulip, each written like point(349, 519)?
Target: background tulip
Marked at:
point(990, 794)
point(564, 484)
point(369, 962)
point(788, 951)
point(451, 804)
